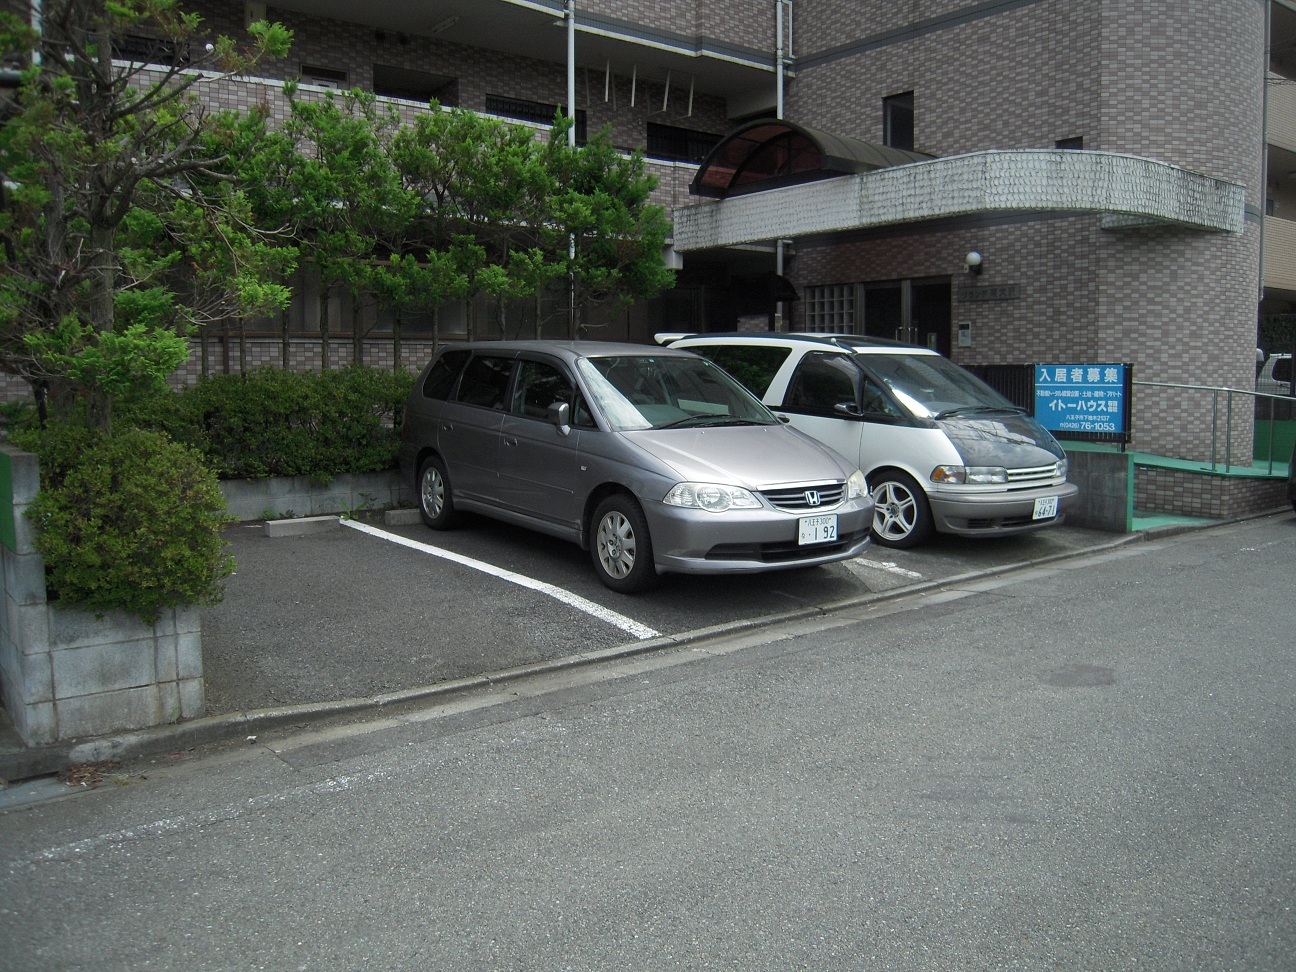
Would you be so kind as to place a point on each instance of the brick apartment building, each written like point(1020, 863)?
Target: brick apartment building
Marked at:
point(1124, 170)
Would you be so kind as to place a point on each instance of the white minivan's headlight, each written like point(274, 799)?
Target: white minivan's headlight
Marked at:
point(712, 497)
point(856, 486)
point(970, 475)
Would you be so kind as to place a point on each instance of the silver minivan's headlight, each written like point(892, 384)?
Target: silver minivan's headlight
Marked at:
point(712, 497)
point(856, 486)
point(970, 475)
point(1063, 465)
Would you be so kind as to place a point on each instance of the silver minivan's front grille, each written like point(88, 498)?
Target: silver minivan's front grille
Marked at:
point(811, 496)
point(1033, 475)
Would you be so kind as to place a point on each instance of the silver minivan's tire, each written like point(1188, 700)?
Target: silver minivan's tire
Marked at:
point(436, 502)
point(901, 514)
point(620, 546)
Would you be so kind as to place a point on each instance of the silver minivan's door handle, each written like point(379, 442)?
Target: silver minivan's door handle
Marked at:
point(510, 440)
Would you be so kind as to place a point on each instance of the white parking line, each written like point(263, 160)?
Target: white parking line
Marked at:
point(640, 631)
point(889, 567)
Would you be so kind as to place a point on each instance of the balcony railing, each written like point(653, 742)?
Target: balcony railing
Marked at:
point(1280, 253)
point(1280, 116)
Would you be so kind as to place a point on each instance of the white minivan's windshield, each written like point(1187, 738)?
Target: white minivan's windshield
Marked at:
point(636, 392)
point(934, 387)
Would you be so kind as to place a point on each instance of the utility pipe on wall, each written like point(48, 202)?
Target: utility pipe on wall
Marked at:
point(779, 57)
point(571, 143)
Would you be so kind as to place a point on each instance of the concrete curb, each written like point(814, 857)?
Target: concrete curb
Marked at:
point(300, 526)
point(46, 760)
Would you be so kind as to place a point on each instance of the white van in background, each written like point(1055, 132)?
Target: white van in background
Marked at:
point(1275, 377)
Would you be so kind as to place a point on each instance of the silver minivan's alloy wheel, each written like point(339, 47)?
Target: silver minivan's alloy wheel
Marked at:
point(901, 515)
point(621, 548)
point(436, 504)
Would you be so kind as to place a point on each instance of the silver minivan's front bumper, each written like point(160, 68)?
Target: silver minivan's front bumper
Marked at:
point(997, 513)
point(689, 541)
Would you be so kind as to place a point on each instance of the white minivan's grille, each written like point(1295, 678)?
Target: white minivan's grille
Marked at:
point(1032, 476)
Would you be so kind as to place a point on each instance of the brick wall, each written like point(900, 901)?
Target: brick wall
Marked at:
point(1201, 494)
point(1134, 78)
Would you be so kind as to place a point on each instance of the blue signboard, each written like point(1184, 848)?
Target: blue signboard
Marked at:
point(1084, 399)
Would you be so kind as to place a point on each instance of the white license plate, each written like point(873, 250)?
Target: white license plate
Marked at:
point(1045, 508)
point(817, 529)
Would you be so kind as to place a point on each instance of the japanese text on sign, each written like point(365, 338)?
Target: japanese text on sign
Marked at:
point(1081, 397)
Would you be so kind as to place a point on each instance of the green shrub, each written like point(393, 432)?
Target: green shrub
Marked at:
point(271, 422)
point(128, 520)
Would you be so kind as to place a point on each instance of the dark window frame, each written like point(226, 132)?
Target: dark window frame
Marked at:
point(898, 121)
point(671, 143)
point(536, 112)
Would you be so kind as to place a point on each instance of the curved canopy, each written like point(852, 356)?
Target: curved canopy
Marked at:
point(1126, 191)
point(769, 153)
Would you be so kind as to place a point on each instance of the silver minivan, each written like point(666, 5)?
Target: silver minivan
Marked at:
point(654, 460)
point(942, 451)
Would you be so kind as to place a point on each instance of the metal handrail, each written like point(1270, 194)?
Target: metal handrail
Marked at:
point(1228, 424)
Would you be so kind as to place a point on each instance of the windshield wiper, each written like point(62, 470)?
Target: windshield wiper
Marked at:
point(979, 410)
point(709, 421)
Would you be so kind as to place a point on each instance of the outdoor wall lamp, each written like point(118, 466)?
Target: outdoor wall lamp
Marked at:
point(973, 261)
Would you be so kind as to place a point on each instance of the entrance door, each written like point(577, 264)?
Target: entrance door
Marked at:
point(913, 311)
point(931, 315)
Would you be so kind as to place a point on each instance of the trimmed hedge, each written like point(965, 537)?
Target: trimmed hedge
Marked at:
point(128, 520)
point(271, 422)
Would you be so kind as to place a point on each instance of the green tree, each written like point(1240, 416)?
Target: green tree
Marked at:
point(603, 231)
point(123, 223)
point(330, 178)
point(480, 187)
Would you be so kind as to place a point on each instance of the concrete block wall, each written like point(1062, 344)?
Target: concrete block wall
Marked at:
point(67, 673)
point(290, 496)
point(1106, 482)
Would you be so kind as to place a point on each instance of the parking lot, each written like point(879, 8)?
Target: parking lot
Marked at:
point(358, 612)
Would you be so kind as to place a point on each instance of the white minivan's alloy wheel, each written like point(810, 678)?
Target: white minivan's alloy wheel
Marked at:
point(901, 514)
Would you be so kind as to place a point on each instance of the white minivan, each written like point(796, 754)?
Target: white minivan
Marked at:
point(942, 451)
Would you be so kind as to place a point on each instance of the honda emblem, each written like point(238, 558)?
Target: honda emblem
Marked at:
point(812, 497)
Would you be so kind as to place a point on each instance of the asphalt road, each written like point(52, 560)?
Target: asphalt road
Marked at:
point(1089, 765)
point(347, 615)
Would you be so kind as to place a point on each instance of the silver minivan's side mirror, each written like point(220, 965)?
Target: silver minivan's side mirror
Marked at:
point(560, 415)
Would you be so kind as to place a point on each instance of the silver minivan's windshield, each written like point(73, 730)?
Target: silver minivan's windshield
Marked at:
point(934, 387)
point(636, 392)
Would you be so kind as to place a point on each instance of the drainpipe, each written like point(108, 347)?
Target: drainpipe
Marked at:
point(778, 57)
point(571, 143)
point(38, 25)
point(1264, 141)
point(779, 307)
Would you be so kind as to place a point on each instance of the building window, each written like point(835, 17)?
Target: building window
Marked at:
point(398, 82)
point(537, 112)
point(1070, 143)
point(679, 144)
point(898, 121)
point(323, 77)
point(830, 308)
point(149, 50)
